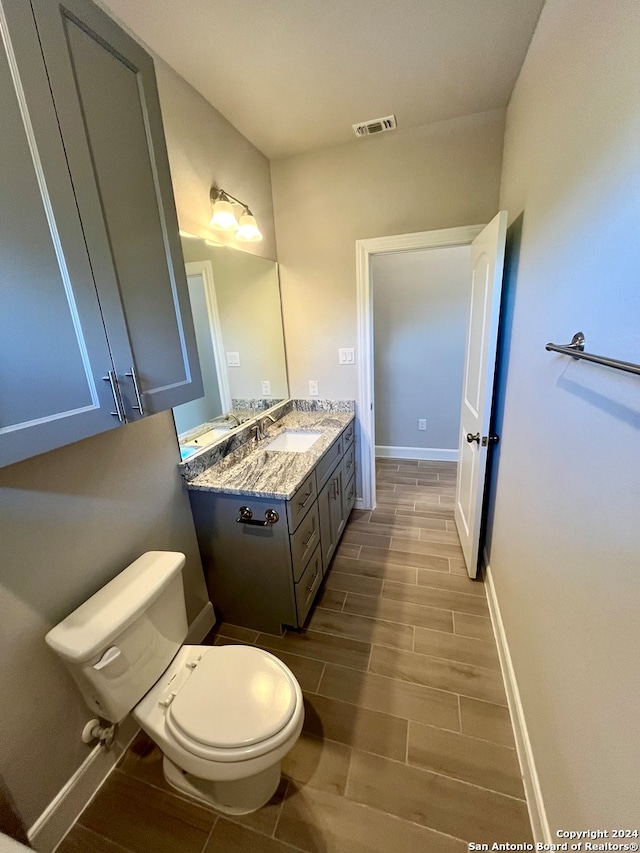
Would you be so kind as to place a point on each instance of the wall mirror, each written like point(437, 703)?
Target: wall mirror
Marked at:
point(235, 302)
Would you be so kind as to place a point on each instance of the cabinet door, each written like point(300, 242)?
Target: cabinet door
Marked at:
point(338, 506)
point(53, 349)
point(331, 516)
point(248, 568)
point(104, 89)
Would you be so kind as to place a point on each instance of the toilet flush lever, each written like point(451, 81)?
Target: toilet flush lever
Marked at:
point(108, 657)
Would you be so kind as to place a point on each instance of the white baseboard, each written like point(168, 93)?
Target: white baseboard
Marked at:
point(431, 454)
point(65, 808)
point(533, 793)
point(201, 625)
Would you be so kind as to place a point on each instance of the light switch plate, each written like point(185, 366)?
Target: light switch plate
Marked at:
point(346, 355)
point(233, 359)
point(313, 387)
point(266, 388)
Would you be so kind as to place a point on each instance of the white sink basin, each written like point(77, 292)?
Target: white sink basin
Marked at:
point(294, 440)
point(207, 437)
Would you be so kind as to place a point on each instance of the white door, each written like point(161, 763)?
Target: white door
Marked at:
point(487, 261)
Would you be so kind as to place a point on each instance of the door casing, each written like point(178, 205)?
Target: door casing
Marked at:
point(365, 412)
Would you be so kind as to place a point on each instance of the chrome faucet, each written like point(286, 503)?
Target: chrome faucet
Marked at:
point(262, 427)
point(230, 416)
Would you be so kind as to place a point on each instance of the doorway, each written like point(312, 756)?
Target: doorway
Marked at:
point(420, 315)
point(369, 253)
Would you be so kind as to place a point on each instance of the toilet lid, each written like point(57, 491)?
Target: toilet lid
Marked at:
point(235, 697)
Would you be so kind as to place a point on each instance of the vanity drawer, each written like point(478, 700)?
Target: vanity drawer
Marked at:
point(305, 541)
point(348, 435)
point(301, 502)
point(307, 586)
point(349, 463)
point(328, 462)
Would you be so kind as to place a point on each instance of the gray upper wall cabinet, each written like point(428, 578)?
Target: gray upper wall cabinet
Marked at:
point(92, 277)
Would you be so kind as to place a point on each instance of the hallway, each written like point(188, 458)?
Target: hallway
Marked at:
point(407, 744)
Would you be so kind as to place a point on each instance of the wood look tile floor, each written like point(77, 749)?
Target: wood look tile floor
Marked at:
point(407, 743)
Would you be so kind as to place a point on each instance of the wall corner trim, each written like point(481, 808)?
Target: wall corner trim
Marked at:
point(533, 792)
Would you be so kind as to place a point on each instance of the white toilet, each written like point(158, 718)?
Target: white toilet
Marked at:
point(223, 716)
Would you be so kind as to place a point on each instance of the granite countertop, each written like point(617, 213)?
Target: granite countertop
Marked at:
point(255, 471)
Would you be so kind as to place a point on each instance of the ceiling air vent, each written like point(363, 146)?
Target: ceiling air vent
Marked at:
point(376, 125)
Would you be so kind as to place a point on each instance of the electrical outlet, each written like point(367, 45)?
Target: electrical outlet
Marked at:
point(313, 387)
point(266, 388)
point(346, 355)
point(422, 423)
point(233, 359)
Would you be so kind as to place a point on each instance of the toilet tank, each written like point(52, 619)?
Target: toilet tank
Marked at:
point(119, 642)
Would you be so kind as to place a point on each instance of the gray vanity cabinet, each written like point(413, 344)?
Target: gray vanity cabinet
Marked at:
point(248, 567)
point(95, 325)
point(264, 572)
point(260, 575)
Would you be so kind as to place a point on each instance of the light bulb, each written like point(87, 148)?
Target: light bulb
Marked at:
point(223, 218)
point(248, 230)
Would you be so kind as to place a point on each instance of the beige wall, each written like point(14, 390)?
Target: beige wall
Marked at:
point(70, 520)
point(438, 176)
point(564, 543)
point(205, 151)
point(73, 518)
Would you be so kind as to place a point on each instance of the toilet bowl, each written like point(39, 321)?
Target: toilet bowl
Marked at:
point(223, 716)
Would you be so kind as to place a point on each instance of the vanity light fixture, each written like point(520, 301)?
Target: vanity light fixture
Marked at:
point(224, 217)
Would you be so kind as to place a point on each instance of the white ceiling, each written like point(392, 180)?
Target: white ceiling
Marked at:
point(294, 75)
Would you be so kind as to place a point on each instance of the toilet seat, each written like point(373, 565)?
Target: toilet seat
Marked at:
point(235, 704)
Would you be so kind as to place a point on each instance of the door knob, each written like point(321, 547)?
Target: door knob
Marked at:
point(471, 438)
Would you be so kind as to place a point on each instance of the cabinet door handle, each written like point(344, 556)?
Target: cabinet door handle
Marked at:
point(313, 582)
point(119, 413)
point(136, 390)
point(349, 464)
point(306, 500)
point(338, 487)
point(246, 517)
point(311, 538)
